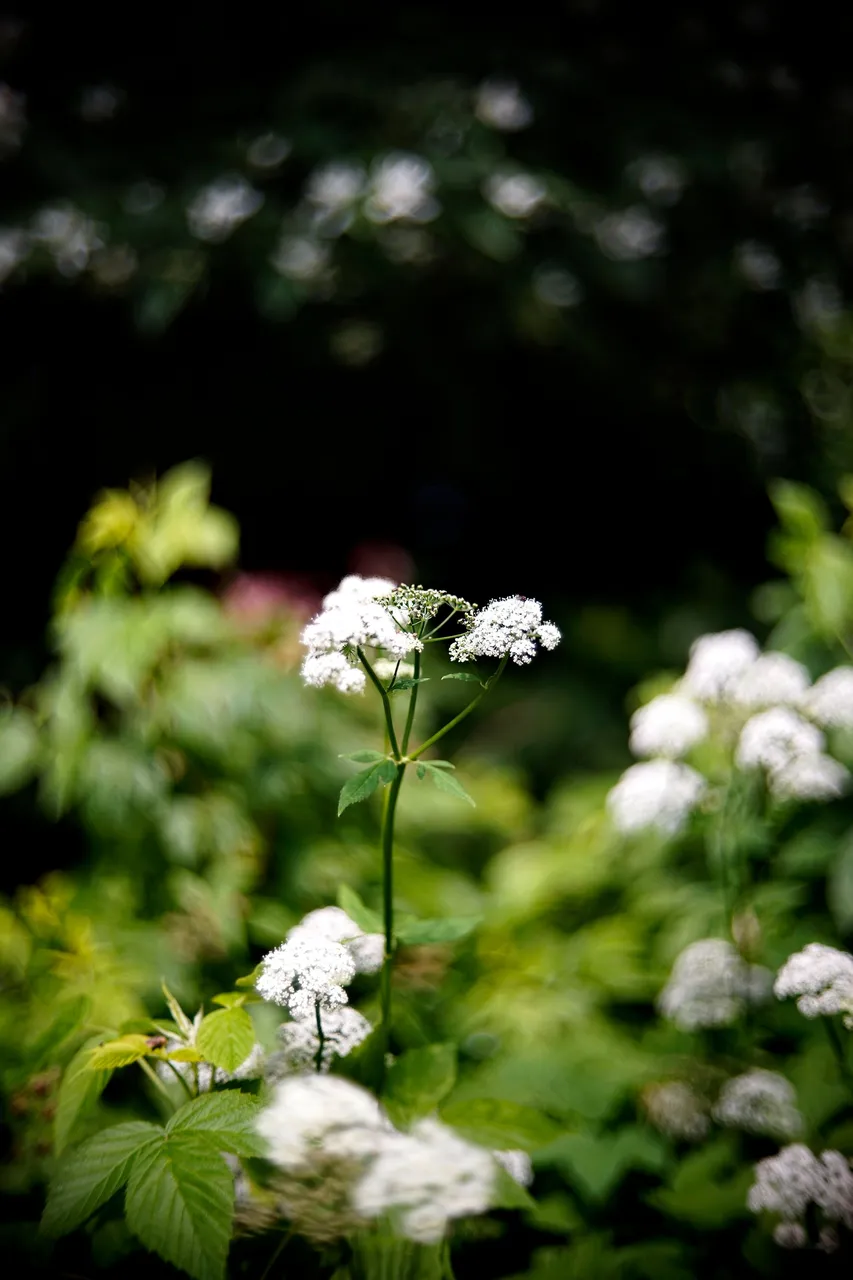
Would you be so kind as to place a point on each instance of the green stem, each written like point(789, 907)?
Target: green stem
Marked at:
point(388, 812)
point(277, 1252)
point(490, 683)
point(838, 1050)
point(413, 702)
point(182, 1078)
point(318, 1060)
point(386, 702)
point(155, 1079)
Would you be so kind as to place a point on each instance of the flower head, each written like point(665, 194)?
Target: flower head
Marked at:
point(334, 925)
point(716, 663)
point(508, 626)
point(759, 1102)
point(788, 1183)
point(771, 680)
point(667, 726)
point(343, 1030)
point(354, 615)
point(311, 1115)
point(772, 739)
point(821, 978)
point(710, 985)
point(816, 777)
point(656, 793)
point(304, 973)
point(830, 700)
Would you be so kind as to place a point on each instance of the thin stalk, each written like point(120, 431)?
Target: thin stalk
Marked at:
point(277, 1252)
point(318, 1060)
point(155, 1080)
point(490, 683)
point(182, 1078)
point(388, 812)
point(386, 702)
point(838, 1050)
point(413, 702)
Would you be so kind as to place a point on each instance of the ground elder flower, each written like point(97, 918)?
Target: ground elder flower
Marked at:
point(319, 1114)
point(304, 973)
point(510, 626)
point(656, 793)
point(424, 1179)
point(716, 663)
point(759, 1102)
point(816, 777)
point(334, 925)
point(517, 1164)
point(353, 616)
point(821, 978)
point(772, 739)
point(830, 700)
point(771, 680)
point(667, 726)
point(676, 1110)
point(711, 985)
point(343, 1030)
point(787, 1184)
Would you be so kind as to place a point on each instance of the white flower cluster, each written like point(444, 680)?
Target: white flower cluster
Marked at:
point(508, 626)
point(343, 1030)
point(676, 1110)
point(711, 985)
point(304, 973)
point(788, 1183)
point(334, 925)
point(821, 978)
point(422, 1179)
point(759, 1102)
point(767, 697)
point(353, 617)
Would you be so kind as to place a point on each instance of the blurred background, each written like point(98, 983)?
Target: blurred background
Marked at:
point(531, 301)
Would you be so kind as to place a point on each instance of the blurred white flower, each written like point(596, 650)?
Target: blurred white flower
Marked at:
point(830, 700)
point(716, 662)
point(772, 679)
point(669, 725)
point(424, 1179)
point(300, 257)
point(69, 235)
point(305, 973)
point(335, 186)
point(656, 793)
point(822, 979)
point(14, 248)
point(516, 195)
point(787, 1184)
point(758, 265)
point(711, 985)
point(268, 151)
point(557, 287)
point(660, 178)
point(517, 1164)
point(511, 626)
point(501, 104)
point(13, 118)
point(311, 1116)
point(401, 186)
point(676, 1110)
point(334, 925)
point(816, 777)
point(772, 739)
point(343, 1030)
point(790, 1235)
point(219, 208)
point(630, 234)
point(759, 1102)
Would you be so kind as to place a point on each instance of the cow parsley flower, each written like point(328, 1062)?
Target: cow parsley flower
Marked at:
point(711, 985)
point(424, 1179)
point(821, 978)
point(716, 663)
point(343, 1030)
point(771, 680)
point(772, 739)
point(676, 1110)
point(788, 1183)
point(306, 972)
point(656, 793)
point(667, 726)
point(816, 777)
point(508, 626)
point(517, 1164)
point(311, 1115)
point(759, 1102)
point(830, 700)
point(334, 925)
point(353, 616)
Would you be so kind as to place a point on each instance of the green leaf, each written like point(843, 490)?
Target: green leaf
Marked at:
point(226, 1038)
point(119, 1053)
point(72, 1013)
point(20, 749)
point(509, 1194)
point(365, 783)
point(180, 1204)
point(468, 676)
point(418, 1080)
point(438, 764)
point(415, 933)
point(501, 1125)
point(407, 682)
point(446, 782)
point(228, 1117)
point(184, 1023)
point(349, 901)
point(596, 1163)
point(249, 979)
point(87, 1177)
point(364, 757)
point(79, 1090)
point(232, 999)
point(186, 1053)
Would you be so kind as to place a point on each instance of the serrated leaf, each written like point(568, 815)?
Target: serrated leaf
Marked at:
point(119, 1053)
point(72, 1013)
point(418, 1080)
point(349, 901)
point(364, 757)
point(184, 1023)
point(226, 1038)
point(79, 1090)
point(509, 1194)
point(446, 782)
point(229, 1118)
point(363, 785)
point(249, 979)
point(88, 1176)
point(180, 1204)
point(414, 933)
point(467, 676)
point(500, 1125)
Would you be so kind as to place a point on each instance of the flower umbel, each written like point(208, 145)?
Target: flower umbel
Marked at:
point(510, 626)
point(304, 973)
point(822, 979)
point(711, 985)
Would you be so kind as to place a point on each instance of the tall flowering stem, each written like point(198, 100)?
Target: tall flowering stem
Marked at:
point(388, 811)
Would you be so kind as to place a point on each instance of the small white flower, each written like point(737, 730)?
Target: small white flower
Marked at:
point(772, 679)
point(788, 1183)
point(300, 258)
point(501, 104)
point(657, 793)
point(822, 979)
point(516, 195)
point(319, 1115)
point(517, 1164)
point(343, 1030)
point(676, 1110)
point(353, 616)
point(508, 626)
point(830, 701)
point(817, 777)
point(217, 209)
point(335, 187)
point(716, 662)
point(759, 1102)
point(426, 1178)
point(305, 972)
point(334, 925)
point(401, 186)
point(667, 726)
point(772, 739)
point(319, 669)
point(711, 985)
point(630, 234)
